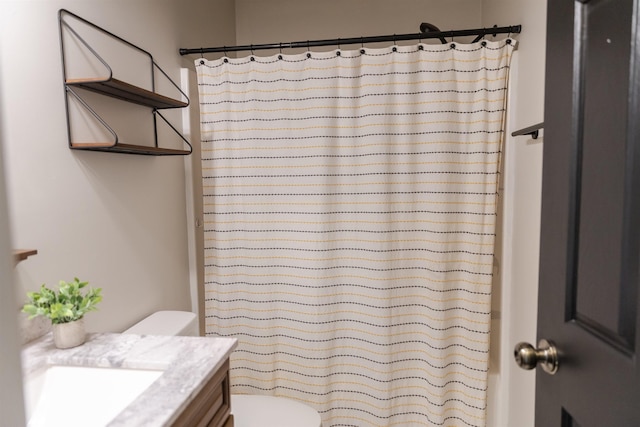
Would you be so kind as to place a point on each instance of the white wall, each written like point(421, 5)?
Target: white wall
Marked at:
point(274, 21)
point(532, 14)
point(516, 286)
point(118, 221)
point(11, 408)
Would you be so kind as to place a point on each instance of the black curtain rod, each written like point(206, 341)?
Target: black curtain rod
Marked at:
point(427, 33)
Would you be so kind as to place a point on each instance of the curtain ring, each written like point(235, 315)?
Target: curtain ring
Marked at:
point(202, 52)
point(280, 47)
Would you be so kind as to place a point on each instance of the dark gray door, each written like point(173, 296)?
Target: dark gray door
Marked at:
point(589, 260)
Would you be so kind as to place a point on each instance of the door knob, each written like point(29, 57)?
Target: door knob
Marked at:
point(546, 355)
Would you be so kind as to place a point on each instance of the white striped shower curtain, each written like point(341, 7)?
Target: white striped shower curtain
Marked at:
point(350, 212)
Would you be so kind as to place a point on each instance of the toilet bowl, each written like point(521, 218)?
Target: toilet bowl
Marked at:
point(247, 410)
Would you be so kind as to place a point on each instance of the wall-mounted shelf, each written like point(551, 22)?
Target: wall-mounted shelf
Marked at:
point(127, 92)
point(128, 149)
point(114, 88)
point(22, 254)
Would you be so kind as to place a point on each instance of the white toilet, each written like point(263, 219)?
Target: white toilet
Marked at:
point(248, 410)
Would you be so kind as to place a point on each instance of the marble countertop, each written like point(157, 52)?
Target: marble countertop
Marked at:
point(187, 362)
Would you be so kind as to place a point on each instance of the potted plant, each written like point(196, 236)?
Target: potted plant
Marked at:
point(65, 308)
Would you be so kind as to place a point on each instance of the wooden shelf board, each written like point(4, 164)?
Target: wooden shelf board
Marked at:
point(129, 149)
point(127, 92)
point(22, 254)
point(92, 144)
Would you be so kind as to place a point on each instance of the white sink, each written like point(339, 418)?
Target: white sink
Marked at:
point(72, 396)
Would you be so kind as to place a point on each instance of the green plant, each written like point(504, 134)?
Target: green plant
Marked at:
point(66, 305)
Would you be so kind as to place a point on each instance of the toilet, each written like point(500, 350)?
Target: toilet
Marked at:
point(247, 410)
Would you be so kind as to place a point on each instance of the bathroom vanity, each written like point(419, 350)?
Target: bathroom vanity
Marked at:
point(190, 386)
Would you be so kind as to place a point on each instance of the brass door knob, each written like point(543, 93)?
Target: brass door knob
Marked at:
point(546, 355)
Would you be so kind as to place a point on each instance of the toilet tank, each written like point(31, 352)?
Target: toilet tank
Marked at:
point(181, 323)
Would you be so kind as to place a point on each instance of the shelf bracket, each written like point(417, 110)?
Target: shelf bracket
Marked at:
point(94, 114)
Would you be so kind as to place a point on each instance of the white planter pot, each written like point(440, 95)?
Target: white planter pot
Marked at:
point(67, 335)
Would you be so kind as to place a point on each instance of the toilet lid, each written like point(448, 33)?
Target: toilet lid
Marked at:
point(269, 411)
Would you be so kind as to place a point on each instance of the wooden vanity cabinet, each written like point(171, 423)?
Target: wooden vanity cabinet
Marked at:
point(212, 406)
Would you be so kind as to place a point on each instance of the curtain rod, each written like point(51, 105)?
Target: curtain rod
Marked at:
point(428, 31)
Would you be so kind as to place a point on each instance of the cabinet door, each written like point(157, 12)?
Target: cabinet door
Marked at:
point(212, 406)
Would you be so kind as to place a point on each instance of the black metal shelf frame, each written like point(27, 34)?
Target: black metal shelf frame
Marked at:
point(115, 88)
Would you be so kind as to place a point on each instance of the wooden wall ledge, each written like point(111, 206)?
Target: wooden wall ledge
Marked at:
point(22, 254)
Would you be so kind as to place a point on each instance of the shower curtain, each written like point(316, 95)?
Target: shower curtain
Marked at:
point(350, 209)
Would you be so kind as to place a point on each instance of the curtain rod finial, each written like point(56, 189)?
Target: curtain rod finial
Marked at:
point(425, 27)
